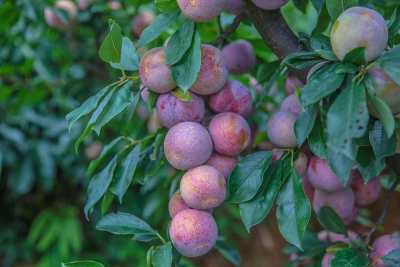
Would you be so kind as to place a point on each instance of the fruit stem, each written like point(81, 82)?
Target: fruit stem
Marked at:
point(162, 239)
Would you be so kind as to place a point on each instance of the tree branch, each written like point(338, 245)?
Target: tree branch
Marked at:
point(230, 30)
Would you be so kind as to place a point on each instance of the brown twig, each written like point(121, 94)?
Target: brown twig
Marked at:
point(230, 30)
point(384, 213)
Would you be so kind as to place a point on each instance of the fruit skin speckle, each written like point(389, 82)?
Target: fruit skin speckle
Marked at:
point(201, 10)
point(193, 232)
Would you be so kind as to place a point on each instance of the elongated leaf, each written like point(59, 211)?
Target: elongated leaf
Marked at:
point(246, 178)
point(162, 256)
point(319, 4)
point(124, 173)
point(167, 6)
point(394, 26)
point(356, 56)
point(321, 41)
point(382, 145)
point(185, 71)
point(368, 164)
point(336, 7)
point(158, 26)
point(317, 139)
point(350, 257)
point(107, 200)
point(184, 96)
point(392, 259)
point(106, 150)
point(390, 63)
point(293, 211)
point(98, 185)
point(340, 164)
point(127, 116)
point(82, 264)
point(229, 252)
point(347, 68)
point(321, 84)
point(145, 237)
point(331, 221)
point(152, 99)
point(304, 123)
point(122, 99)
point(123, 224)
point(179, 43)
point(347, 119)
point(301, 60)
point(85, 108)
point(110, 50)
point(129, 58)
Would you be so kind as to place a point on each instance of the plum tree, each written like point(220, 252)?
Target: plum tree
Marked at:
point(234, 97)
point(203, 187)
point(270, 4)
point(230, 133)
point(234, 7)
point(292, 104)
point(240, 57)
point(171, 110)
point(182, 140)
point(382, 246)
point(155, 73)
point(368, 193)
point(322, 177)
point(280, 129)
point(358, 27)
point(290, 81)
point(341, 201)
point(193, 232)
point(202, 10)
point(54, 21)
point(213, 73)
point(141, 22)
point(224, 164)
point(176, 204)
point(386, 89)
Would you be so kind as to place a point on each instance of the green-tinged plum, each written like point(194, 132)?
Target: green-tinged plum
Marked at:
point(322, 177)
point(187, 145)
point(341, 201)
point(202, 10)
point(301, 164)
point(224, 164)
point(193, 232)
point(240, 57)
point(280, 129)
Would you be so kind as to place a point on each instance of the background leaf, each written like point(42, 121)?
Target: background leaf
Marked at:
point(229, 252)
point(82, 264)
point(331, 221)
point(123, 224)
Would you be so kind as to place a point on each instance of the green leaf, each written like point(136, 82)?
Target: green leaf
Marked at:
point(123, 224)
point(152, 99)
point(129, 58)
point(122, 99)
point(347, 118)
point(366, 3)
point(331, 221)
point(350, 257)
point(247, 176)
point(266, 71)
point(356, 56)
point(162, 256)
point(85, 108)
point(167, 6)
point(321, 42)
point(293, 210)
point(149, 256)
point(301, 60)
point(317, 139)
point(107, 200)
point(185, 71)
point(98, 185)
point(328, 55)
point(254, 211)
point(127, 116)
point(393, 26)
point(392, 259)
point(319, 4)
point(82, 264)
point(390, 63)
point(340, 164)
point(124, 173)
point(158, 142)
point(347, 68)
point(368, 164)
point(304, 123)
point(336, 7)
point(145, 237)
point(179, 43)
point(382, 145)
point(229, 252)
point(321, 84)
point(301, 4)
point(180, 94)
point(106, 150)
point(110, 50)
point(158, 26)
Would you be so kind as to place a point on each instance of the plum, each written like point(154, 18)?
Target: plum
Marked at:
point(386, 89)
point(341, 201)
point(326, 260)
point(240, 57)
point(234, 97)
point(292, 104)
point(155, 73)
point(54, 21)
point(224, 164)
point(213, 73)
point(202, 10)
point(322, 177)
point(358, 27)
point(276, 155)
point(115, 5)
point(203, 187)
point(230, 133)
point(234, 7)
point(301, 164)
point(187, 145)
point(382, 246)
point(352, 217)
point(141, 22)
point(270, 4)
point(171, 110)
point(280, 129)
point(177, 204)
point(308, 189)
point(365, 193)
point(193, 232)
point(291, 80)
